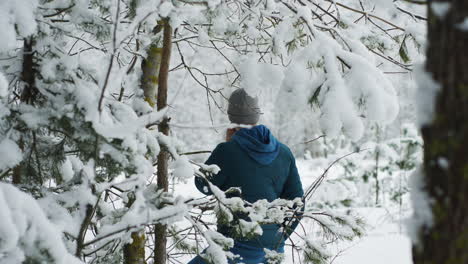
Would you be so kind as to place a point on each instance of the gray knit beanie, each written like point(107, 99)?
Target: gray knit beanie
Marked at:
point(243, 109)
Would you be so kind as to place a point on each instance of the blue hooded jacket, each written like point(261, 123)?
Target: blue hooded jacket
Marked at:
point(263, 168)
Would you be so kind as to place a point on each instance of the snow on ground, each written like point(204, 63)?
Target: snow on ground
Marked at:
point(378, 249)
point(385, 242)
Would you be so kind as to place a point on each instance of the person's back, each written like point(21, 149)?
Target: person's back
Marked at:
point(262, 167)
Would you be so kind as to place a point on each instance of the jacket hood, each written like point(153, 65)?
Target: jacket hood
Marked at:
point(259, 143)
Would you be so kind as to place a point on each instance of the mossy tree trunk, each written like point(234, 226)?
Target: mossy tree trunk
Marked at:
point(134, 253)
point(445, 169)
point(150, 70)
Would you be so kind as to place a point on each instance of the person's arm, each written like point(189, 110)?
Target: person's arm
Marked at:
point(293, 189)
point(293, 186)
point(216, 158)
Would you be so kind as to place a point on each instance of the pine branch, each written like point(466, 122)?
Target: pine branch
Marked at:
point(90, 211)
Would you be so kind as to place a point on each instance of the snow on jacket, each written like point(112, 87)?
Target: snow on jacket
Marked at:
point(263, 168)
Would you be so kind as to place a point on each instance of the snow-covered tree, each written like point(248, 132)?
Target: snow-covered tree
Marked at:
point(440, 189)
point(84, 126)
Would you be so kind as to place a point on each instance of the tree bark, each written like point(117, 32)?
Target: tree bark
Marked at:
point(28, 74)
point(134, 253)
point(28, 94)
point(160, 234)
point(445, 169)
point(151, 70)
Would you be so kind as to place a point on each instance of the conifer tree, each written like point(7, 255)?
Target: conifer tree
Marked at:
point(442, 234)
point(80, 129)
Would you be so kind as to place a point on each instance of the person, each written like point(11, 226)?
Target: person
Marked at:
point(253, 160)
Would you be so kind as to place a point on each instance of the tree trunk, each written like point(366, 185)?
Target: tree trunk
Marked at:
point(134, 253)
point(150, 68)
point(160, 236)
point(28, 94)
point(445, 169)
point(28, 74)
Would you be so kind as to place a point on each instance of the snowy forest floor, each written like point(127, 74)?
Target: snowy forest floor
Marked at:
point(385, 241)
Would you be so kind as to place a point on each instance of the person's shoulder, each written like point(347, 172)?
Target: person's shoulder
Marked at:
point(219, 153)
point(225, 151)
point(223, 146)
point(286, 150)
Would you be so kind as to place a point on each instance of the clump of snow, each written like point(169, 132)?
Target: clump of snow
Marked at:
point(8, 31)
point(425, 95)
point(249, 228)
point(3, 86)
point(295, 84)
point(316, 248)
point(422, 216)
point(61, 217)
point(165, 9)
point(464, 25)
point(210, 168)
point(183, 170)
point(304, 13)
point(11, 154)
point(443, 163)
point(345, 99)
point(212, 4)
point(16, 17)
point(358, 48)
point(440, 9)
point(282, 35)
point(216, 243)
point(203, 37)
point(273, 257)
point(220, 24)
point(270, 5)
point(26, 232)
point(66, 170)
point(338, 110)
point(257, 77)
point(250, 77)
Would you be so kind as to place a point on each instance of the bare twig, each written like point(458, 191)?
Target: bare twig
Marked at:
point(411, 14)
point(114, 48)
point(195, 152)
point(319, 180)
point(367, 14)
point(60, 11)
point(416, 2)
